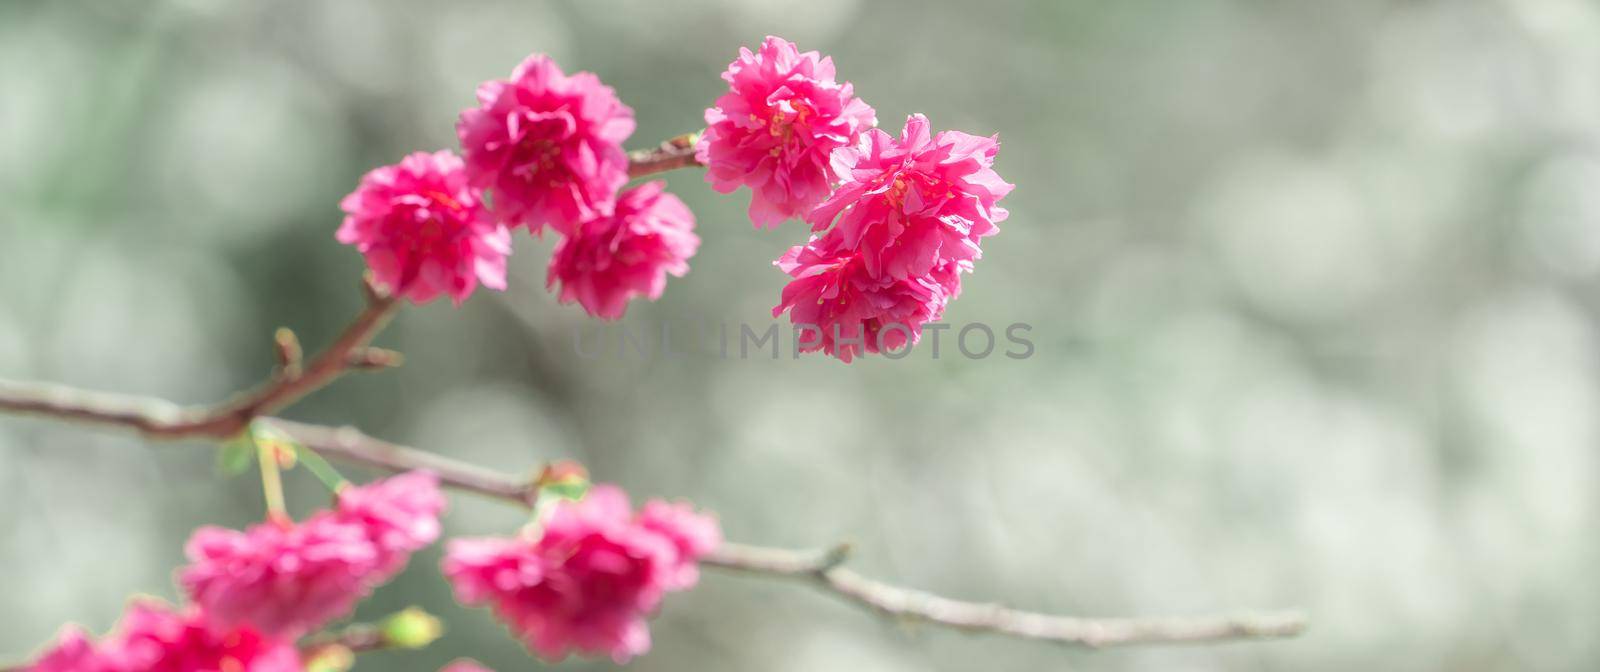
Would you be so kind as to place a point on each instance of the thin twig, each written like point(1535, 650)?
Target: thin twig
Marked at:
point(161, 419)
point(351, 445)
point(356, 638)
point(822, 569)
point(905, 604)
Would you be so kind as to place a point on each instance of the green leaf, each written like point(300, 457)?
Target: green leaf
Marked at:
point(330, 477)
point(236, 454)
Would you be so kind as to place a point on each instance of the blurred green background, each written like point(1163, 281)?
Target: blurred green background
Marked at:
point(1312, 287)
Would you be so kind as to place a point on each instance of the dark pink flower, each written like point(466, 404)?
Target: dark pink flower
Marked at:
point(547, 146)
point(586, 583)
point(153, 637)
point(774, 130)
point(423, 232)
point(400, 515)
point(914, 203)
point(609, 259)
point(283, 578)
point(838, 305)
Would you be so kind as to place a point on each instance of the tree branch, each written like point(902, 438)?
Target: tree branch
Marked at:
point(675, 153)
point(822, 569)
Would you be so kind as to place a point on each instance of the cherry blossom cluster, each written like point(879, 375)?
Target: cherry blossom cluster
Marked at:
point(898, 221)
point(582, 580)
point(543, 150)
point(252, 593)
point(586, 581)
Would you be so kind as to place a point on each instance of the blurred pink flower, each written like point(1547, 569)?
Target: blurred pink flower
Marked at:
point(72, 652)
point(283, 578)
point(914, 203)
point(423, 232)
point(840, 307)
point(587, 583)
point(775, 128)
point(287, 579)
point(400, 516)
point(465, 665)
point(609, 259)
point(153, 637)
point(692, 534)
point(546, 145)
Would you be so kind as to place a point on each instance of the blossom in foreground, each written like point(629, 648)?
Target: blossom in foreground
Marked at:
point(287, 578)
point(72, 652)
point(913, 203)
point(609, 259)
point(423, 232)
point(840, 307)
point(400, 515)
point(547, 146)
point(692, 534)
point(587, 583)
point(154, 637)
point(774, 129)
point(283, 578)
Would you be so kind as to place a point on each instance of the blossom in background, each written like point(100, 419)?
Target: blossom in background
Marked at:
point(841, 308)
point(774, 129)
point(465, 665)
point(606, 261)
point(153, 637)
point(423, 231)
point(288, 578)
point(547, 146)
point(912, 203)
point(585, 583)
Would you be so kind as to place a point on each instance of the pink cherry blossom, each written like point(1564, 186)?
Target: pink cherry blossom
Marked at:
point(692, 534)
point(400, 515)
point(72, 652)
point(840, 307)
point(608, 260)
point(283, 578)
point(287, 579)
point(914, 203)
point(423, 232)
point(465, 665)
point(775, 128)
point(587, 582)
point(546, 145)
point(153, 637)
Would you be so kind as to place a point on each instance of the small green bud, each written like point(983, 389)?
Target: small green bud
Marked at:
point(412, 628)
point(334, 658)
